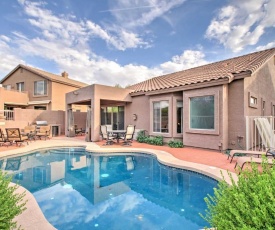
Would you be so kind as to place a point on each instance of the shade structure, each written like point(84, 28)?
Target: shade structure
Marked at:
point(70, 125)
point(88, 125)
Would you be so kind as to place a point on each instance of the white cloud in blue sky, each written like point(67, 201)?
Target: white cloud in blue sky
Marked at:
point(109, 42)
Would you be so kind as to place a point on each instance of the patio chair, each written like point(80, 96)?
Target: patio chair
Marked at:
point(106, 135)
point(44, 131)
point(14, 135)
point(241, 161)
point(30, 131)
point(78, 131)
point(3, 139)
point(234, 153)
point(129, 135)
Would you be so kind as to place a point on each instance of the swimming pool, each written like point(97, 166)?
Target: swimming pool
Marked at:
point(76, 189)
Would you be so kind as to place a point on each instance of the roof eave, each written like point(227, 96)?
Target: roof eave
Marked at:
point(190, 86)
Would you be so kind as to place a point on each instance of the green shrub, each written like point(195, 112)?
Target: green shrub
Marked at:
point(250, 204)
point(175, 144)
point(142, 138)
point(11, 203)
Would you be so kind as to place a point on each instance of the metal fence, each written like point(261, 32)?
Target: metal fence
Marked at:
point(260, 133)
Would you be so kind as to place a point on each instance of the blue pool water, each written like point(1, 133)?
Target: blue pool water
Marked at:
point(80, 190)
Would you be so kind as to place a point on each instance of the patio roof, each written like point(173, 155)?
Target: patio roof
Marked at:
point(214, 72)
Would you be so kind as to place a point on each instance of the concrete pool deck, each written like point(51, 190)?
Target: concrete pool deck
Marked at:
point(210, 163)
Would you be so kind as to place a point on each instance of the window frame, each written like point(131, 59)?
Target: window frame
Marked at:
point(177, 99)
point(170, 112)
point(190, 100)
point(45, 88)
point(186, 104)
point(254, 98)
point(19, 86)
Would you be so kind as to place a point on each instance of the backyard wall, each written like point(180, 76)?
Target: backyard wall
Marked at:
point(24, 117)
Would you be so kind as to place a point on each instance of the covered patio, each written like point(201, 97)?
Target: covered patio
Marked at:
point(105, 106)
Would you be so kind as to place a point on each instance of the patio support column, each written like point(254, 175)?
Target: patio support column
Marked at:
point(95, 119)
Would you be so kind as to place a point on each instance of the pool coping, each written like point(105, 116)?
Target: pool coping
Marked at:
point(33, 218)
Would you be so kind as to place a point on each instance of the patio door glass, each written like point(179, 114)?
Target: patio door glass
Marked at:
point(113, 116)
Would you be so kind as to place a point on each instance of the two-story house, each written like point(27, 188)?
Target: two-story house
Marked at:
point(31, 88)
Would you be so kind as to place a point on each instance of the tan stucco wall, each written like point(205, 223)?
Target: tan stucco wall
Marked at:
point(58, 95)
point(56, 91)
point(204, 138)
point(12, 96)
point(23, 75)
point(236, 117)
point(141, 107)
point(262, 85)
point(23, 117)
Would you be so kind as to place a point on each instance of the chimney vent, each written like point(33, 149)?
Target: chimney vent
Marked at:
point(65, 74)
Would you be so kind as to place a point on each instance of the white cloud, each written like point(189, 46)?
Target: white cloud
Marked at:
point(8, 56)
point(267, 46)
point(242, 23)
point(133, 14)
point(188, 59)
point(66, 43)
point(72, 31)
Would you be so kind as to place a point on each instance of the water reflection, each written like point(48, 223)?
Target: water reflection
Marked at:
point(79, 190)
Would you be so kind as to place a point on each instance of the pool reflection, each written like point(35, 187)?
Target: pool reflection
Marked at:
point(79, 189)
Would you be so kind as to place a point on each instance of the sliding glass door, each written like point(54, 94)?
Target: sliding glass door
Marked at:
point(113, 116)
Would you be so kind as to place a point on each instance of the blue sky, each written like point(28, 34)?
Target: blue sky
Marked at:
point(128, 41)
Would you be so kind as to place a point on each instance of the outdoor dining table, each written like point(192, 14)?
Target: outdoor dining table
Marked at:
point(118, 134)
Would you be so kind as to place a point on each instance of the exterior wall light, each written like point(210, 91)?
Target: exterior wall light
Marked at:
point(134, 117)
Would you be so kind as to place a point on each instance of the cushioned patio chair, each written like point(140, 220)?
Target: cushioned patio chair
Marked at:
point(14, 135)
point(241, 161)
point(3, 139)
point(44, 131)
point(78, 131)
point(30, 131)
point(106, 135)
point(129, 135)
point(234, 153)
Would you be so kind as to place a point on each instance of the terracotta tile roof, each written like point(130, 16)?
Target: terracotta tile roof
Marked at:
point(49, 76)
point(210, 72)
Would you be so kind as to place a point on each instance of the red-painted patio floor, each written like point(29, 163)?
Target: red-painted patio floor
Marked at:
point(196, 155)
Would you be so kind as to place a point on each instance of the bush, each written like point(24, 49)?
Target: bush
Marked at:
point(250, 204)
point(12, 204)
point(142, 138)
point(175, 144)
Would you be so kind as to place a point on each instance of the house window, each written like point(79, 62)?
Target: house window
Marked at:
point(179, 116)
point(253, 100)
point(202, 111)
point(40, 107)
point(7, 87)
point(20, 86)
point(160, 116)
point(40, 87)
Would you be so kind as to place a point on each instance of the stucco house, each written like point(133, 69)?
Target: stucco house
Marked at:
point(204, 106)
point(31, 88)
